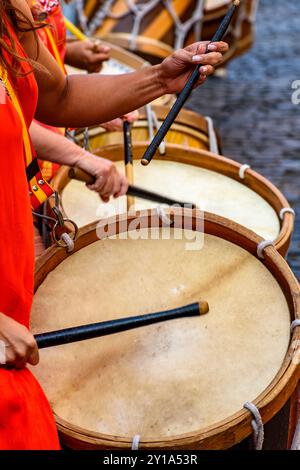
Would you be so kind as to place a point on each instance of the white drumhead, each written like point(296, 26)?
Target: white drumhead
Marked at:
point(170, 378)
point(211, 191)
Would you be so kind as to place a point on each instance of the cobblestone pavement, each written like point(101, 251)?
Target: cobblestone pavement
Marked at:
point(252, 106)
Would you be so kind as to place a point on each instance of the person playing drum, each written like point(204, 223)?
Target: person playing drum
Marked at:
point(33, 84)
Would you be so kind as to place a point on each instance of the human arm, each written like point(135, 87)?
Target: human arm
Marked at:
point(57, 148)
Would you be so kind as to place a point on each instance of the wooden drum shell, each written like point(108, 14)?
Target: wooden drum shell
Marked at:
point(209, 161)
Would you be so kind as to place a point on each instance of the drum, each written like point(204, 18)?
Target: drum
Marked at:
point(122, 61)
point(174, 385)
point(153, 28)
point(214, 183)
point(190, 130)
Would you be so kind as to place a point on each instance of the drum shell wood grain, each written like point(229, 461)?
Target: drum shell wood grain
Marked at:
point(236, 428)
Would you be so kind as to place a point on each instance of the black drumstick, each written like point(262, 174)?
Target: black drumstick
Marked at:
point(96, 330)
point(80, 175)
point(179, 103)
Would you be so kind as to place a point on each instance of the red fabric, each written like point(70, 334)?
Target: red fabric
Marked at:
point(26, 419)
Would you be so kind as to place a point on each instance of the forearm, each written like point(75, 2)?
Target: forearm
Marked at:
point(54, 147)
point(88, 100)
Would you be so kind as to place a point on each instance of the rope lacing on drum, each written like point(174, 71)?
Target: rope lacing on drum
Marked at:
point(182, 29)
point(135, 444)
point(81, 15)
point(262, 246)
point(295, 324)
point(286, 210)
point(65, 240)
point(257, 425)
point(212, 137)
point(163, 216)
point(243, 170)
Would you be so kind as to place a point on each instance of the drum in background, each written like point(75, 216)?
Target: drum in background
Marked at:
point(189, 130)
point(156, 27)
point(122, 61)
point(105, 392)
point(214, 183)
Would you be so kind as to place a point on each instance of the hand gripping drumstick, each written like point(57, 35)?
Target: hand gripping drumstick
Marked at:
point(128, 160)
point(134, 191)
point(95, 330)
point(179, 103)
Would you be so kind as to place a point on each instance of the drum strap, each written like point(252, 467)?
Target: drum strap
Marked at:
point(39, 189)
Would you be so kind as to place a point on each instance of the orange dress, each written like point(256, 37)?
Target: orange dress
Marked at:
point(26, 418)
point(54, 38)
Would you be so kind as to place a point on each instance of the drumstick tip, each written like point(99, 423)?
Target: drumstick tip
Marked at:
point(203, 307)
point(144, 162)
point(236, 3)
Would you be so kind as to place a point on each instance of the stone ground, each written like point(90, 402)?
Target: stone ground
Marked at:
point(252, 107)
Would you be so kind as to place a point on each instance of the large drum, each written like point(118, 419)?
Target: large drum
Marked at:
point(214, 183)
point(189, 129)
point(175, 385)
point(122, 61)
point(153, 28)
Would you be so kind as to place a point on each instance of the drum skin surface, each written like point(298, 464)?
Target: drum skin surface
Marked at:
point(172, 380)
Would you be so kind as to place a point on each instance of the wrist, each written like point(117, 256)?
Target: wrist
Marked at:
point(161, 80)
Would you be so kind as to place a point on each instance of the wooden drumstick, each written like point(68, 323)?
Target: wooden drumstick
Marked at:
point(128, 159)
point(96, 330)
point(179, 103)
point(80, 175)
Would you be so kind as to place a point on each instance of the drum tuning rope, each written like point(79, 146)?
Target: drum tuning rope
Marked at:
point(184, 95)
point(262, 246)
point(134, 191)
point(96, 330)
point(295, 324)
point(135, 445)
point(257, 425)
point(212, 137)
point(286, 210)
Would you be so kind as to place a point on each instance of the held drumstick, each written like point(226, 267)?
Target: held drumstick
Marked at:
point(80, 175)
point(173, 113)
point(96, 330)
point(128, 159)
